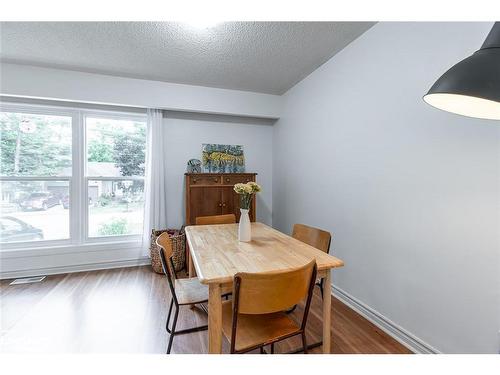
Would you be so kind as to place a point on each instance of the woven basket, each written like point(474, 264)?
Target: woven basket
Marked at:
point(178, 239)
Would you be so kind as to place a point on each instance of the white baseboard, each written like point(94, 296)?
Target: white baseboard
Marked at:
point(76, 268)
point(404, 337)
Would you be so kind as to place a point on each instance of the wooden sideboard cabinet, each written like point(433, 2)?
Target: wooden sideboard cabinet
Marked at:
point(210, 194)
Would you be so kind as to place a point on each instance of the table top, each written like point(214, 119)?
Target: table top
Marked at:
point(218, 255)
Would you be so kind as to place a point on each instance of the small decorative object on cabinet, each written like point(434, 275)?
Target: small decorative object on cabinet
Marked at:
point(210, 194)
point(194, 166)
point(246, 193)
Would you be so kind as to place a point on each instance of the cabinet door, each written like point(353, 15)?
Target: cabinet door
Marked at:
point(205, 201)
point(230, 205)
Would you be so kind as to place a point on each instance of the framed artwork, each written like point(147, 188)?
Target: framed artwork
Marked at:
point(222, 158)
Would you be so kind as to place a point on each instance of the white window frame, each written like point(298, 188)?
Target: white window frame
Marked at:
point(111, 116)
point(78, 182)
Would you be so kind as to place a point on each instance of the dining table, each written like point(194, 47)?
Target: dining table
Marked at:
point(217, 256)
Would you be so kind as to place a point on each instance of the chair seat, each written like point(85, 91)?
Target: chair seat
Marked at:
point(190, 291)
point(256, 329)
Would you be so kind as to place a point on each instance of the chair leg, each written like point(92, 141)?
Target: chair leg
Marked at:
point(272, 348)
point(172, 334)
point(261, 350)
point(169, 314)
point(321, 287)
point(304, 342)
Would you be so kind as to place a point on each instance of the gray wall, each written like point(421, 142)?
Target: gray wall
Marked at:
point(187, 132)
point(411, 193)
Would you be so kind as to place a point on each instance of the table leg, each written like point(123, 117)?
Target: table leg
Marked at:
point(191, 270)
point(327, 304)
point(214, 319)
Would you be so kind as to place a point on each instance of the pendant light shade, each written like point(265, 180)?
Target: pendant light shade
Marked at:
point(472, 87)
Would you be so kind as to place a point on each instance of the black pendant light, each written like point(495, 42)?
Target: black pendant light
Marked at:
point(472, 87)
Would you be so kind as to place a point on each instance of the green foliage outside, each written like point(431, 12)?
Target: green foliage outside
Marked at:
point(115, 227)
point(129, 155)
point(129, 152)
point(100, 152)
point(40, 145)
point(42, 150)
point(104, 200)
point(123, 146)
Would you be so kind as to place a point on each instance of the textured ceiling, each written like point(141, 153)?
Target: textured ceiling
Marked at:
point(268, 57)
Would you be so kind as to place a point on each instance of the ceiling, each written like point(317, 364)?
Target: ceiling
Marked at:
point(267, 57)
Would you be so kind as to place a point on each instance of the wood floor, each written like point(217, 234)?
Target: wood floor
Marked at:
point(124, 311)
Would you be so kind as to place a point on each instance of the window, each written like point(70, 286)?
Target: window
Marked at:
point(70, 176)
point(36, 168)
point(116, 152)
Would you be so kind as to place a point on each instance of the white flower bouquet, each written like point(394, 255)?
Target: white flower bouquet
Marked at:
point(246, 192)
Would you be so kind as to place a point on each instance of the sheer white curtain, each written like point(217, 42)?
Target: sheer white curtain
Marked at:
point(155, 207)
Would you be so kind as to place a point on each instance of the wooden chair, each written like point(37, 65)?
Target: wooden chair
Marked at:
point(216, 219)
point(256, 318)
point(184, 291)
point(318, 238)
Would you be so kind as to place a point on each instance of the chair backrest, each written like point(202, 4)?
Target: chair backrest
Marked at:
point(165, 249)
point(263, 293)
point(165, 243)
point(216, 219)
point(318, 238)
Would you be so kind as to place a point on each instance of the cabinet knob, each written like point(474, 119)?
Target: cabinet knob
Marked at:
point(216, 179)
point(194, 180)
point(227, 179)
point(248, 180)
point(220, 204)
point(223, 205)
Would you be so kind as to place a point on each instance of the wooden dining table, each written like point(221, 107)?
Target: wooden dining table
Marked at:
point(217, 255)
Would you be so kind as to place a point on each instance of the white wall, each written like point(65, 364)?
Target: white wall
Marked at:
point(57, 84)
point(411, 193)
point(187, 133)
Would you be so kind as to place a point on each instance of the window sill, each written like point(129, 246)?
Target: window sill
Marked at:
point(28, 250)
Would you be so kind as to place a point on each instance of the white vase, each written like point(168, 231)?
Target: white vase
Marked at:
point(244, 229)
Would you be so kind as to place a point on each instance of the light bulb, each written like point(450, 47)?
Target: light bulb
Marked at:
point(202, 23)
